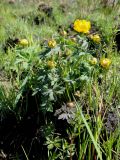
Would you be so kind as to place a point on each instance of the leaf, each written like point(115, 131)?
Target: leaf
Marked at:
point(50, 146)
point(63, 116)
point(51, 96)
point(85, 45)
point(24, 82)
point(84, 78)
point(21, 90)
point(82, 53)
point(18, 61)
point(57, 144)
point(25, 65)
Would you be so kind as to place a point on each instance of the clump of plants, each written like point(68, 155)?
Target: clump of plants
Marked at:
point(66, 81)
point(66, 98)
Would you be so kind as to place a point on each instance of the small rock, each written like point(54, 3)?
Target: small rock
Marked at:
point(10, 43)
point(63, 8)
point(39, 20)
point(48, 10)
point(109, 3)
point(11, 1)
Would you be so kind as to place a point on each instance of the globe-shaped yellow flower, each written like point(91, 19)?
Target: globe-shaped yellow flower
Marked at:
point(51, 64)
point(96, 38)
point(93, 61)
point(77, 94)
point(70, 104)
point(82, 26)
point(105, 63)
point(74, 39)
point(52, 43)
point(63, 33)
point(68, 52)
point(23, 42)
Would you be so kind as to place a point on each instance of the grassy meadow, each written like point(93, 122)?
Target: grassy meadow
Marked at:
point(59, 80)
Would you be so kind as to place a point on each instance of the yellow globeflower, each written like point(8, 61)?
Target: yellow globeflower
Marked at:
point(52, 43)
point(77, 94)
point(93, 61)
point(71, 104)
point(74, 39)
point(68, 52)
point(96, 38)
point(51, 64)
point(105, 63)
point(63, 33)
point(82, 26)
point(23, 42)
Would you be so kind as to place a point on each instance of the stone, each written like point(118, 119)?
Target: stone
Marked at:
point(109, 3)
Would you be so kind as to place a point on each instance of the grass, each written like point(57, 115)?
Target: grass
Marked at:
point(56, 100)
